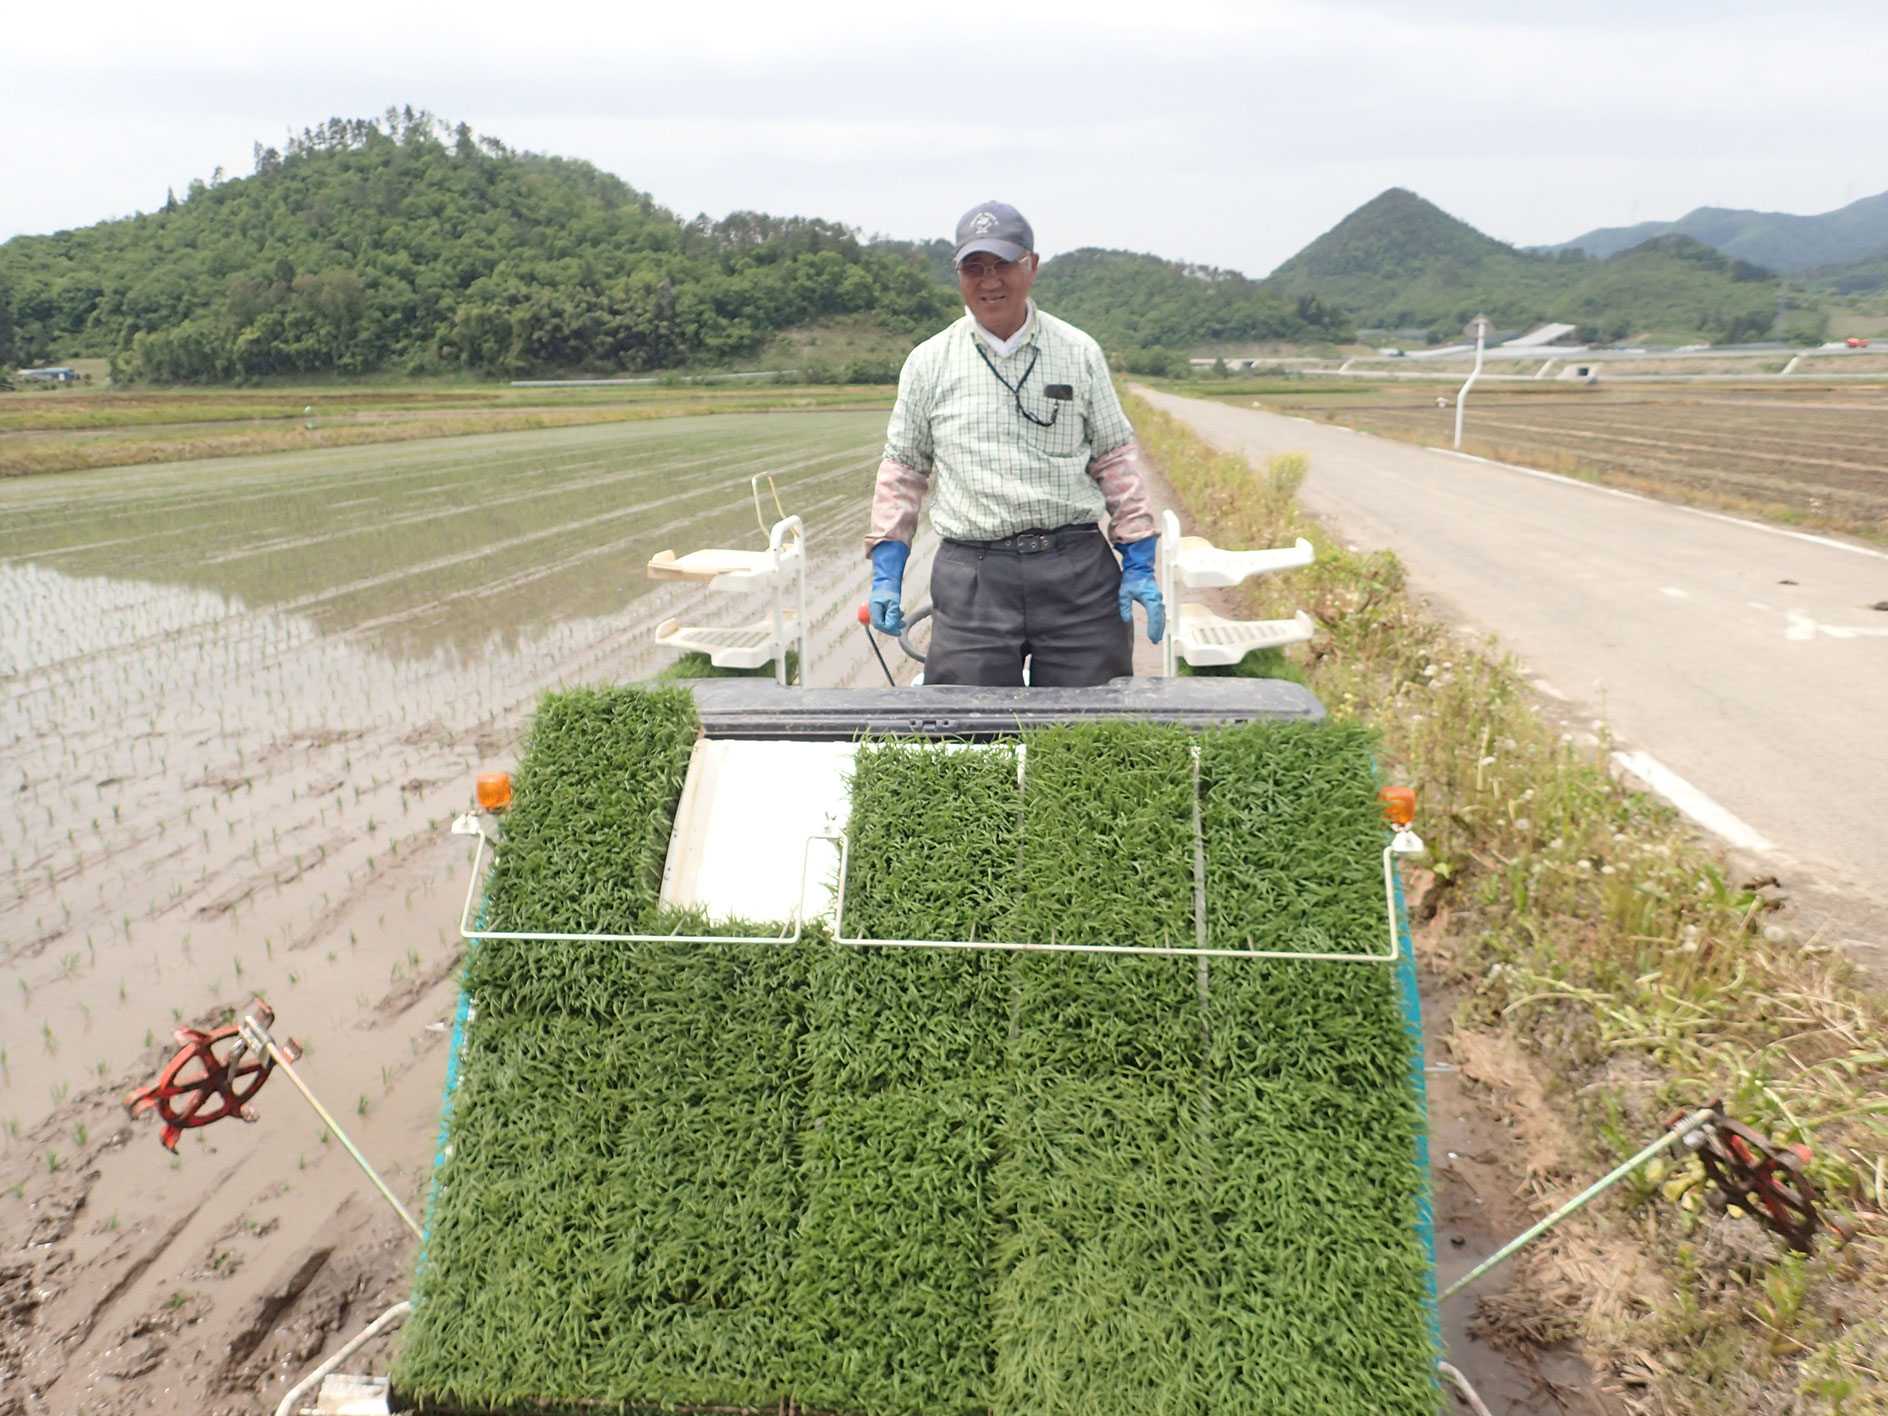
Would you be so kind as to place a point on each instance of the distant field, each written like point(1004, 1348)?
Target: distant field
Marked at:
point(66, 430)
point(1813, 454)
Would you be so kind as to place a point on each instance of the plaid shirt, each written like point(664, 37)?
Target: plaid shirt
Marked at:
point(997, 472)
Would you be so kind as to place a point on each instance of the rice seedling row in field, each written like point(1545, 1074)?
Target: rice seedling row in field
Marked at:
point(41, 435)
point(900, 1181)
point(1812, 456)
point(239, 694)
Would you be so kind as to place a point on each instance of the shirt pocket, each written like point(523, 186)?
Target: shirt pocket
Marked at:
point(1068, 435)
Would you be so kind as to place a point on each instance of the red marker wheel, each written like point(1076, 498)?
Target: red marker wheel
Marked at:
point(212, 1076)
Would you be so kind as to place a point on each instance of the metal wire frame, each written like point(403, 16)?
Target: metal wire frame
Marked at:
point(1199, 949)
point(471, 825)
point(1405, 842)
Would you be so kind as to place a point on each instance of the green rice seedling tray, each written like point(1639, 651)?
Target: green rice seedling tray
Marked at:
point(881, 1182)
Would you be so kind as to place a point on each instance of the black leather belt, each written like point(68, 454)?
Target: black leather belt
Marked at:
point(1029, 543)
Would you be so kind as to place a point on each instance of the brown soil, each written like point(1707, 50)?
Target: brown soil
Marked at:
point(1817, 456)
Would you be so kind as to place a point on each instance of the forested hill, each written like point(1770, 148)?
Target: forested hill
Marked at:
point(397, 245)
point(1130, 301)
point(1778, 239)
point(1127, 301)
point(1401, 262)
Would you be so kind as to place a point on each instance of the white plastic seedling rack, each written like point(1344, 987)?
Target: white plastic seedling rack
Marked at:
point(1196, 634)
point(751, 645)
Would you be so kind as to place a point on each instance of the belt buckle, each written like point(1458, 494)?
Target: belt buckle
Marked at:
point(1029, 545)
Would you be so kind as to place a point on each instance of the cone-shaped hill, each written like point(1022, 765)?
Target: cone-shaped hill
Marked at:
point(1399, 261)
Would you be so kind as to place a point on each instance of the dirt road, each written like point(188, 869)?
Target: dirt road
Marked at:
point(1743, 669)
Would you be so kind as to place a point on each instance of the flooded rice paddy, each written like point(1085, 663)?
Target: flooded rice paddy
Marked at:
point(242, 701)
point(228, 684)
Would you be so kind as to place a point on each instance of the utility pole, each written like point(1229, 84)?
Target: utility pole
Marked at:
point(1480, 327)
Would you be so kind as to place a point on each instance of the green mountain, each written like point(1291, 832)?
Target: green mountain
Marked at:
point(1396, 241)
point(1127, 300)
point(1777, 239)
point(935, 254)
point(1399, 261)
point(1867, 276)
point(396, 245)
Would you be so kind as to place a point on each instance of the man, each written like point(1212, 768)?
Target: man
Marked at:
point(1010, 418)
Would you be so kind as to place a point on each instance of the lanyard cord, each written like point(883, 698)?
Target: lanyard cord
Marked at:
point(1016, 389)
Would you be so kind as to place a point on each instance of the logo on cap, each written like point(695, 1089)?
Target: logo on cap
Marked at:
point(984, 224)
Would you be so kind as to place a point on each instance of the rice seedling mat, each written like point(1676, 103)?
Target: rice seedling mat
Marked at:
point(863, 1181)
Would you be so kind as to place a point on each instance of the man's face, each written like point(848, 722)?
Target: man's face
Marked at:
point(997, 291)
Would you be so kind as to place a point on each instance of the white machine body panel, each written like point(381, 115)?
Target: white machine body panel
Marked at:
point(739, 849)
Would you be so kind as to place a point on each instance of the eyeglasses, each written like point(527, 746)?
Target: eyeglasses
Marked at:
point(977, 270)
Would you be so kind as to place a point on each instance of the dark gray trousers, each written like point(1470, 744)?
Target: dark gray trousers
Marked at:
point(1059, 607)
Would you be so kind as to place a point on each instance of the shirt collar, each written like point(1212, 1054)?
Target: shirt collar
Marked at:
point(1006, 347)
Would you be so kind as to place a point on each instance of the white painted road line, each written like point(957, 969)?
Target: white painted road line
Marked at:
point(1802, 626)
point(1693, 803)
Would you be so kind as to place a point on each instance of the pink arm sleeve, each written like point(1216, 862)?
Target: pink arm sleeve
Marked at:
point(1118, 473)
point(895, 500)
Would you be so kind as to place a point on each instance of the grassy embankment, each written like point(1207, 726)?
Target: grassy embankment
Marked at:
point(66, 431)
point(1587, 925)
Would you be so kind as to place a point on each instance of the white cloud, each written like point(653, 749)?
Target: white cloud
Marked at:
point(1217, 131)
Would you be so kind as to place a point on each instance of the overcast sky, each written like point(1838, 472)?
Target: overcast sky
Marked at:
point(1224, 133)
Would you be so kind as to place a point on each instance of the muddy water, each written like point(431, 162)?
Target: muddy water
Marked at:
point(240, 702)
point(233, 692)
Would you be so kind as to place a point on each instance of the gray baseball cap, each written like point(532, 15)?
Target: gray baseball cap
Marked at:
point(995, 227)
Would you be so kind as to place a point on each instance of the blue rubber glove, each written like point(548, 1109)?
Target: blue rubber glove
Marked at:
point(888, 586)
point(1138, 583)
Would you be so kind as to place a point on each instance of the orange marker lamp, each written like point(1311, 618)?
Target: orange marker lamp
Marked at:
point(1399, 805)
point(494, 791)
